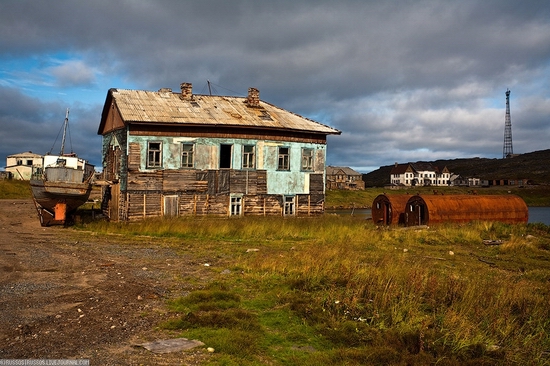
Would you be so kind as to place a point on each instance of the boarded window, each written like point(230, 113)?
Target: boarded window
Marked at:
point(171, 205)
point(248, 157)
point(154, 155)
point(187, 155)
point(307, 159)
point(284, 158)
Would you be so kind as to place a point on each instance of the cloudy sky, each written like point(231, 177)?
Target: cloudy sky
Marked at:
point(404, 80)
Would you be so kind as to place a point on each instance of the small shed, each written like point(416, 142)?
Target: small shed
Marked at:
point(389, 209)
point(433, 209)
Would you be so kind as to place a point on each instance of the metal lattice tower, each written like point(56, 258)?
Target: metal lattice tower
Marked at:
point(508, 149)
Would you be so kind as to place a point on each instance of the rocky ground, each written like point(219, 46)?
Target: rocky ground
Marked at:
point(68, 294)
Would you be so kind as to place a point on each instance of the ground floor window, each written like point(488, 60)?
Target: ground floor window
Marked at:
point(236, 206)
point(289, 205)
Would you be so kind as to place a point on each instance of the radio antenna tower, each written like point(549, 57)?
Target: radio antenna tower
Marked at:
point(507, 150)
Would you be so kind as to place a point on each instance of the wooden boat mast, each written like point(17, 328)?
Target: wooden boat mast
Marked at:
point(64, 133)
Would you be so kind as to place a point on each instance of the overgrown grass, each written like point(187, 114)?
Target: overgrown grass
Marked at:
point(337, 290)
point(14, 189)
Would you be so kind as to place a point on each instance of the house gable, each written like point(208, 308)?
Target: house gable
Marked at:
point(111, 119)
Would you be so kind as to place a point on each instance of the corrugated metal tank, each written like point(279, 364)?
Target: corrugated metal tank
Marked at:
point(389, 209)
point(433, 209)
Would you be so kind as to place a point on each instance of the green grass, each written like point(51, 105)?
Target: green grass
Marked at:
point(337, 290)
point(15, 189)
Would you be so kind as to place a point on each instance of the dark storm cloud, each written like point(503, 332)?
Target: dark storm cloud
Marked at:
point(404, 80)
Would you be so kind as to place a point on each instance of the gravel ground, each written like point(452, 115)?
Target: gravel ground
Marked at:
point(67, 294)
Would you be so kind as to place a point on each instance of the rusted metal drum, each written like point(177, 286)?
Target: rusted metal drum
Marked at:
point(389, 209)
point(433, 209)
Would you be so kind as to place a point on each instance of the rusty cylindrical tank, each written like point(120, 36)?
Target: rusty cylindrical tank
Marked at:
point(432, 209)
point(389, 209)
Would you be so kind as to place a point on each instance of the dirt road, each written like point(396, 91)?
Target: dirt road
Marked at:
point(67, 294)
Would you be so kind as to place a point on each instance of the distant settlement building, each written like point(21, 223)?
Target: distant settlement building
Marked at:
point(176, 153)
point(20, 166)
point(419, 174)
point(340, 177)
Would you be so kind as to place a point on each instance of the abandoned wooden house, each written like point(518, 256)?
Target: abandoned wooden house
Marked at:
point(343, 177)
point(176, 153)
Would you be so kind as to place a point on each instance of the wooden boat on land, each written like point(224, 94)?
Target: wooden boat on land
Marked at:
point(61, 186)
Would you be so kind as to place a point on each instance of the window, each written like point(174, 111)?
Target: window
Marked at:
point(19, 162)
point(307, 159)
point(154, 155)
point(225, 156)
point(236, 206)
point(289, 205)
point(29, 162)
point(248, 157)
point(284, 158)
point(187, 155)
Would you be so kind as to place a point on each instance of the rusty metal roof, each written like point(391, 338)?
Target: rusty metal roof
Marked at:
point(167, 107)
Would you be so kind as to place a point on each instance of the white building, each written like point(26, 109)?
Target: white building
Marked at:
point(20, 165)
point(419, 174)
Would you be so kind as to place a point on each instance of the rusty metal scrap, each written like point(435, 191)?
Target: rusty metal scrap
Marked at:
point(432, 209)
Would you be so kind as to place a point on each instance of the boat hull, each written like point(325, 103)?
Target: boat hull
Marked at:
point(56, 201)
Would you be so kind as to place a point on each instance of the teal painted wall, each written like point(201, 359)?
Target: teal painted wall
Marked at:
point(207, 156)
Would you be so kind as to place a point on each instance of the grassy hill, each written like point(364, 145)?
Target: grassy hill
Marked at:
point(533, 165)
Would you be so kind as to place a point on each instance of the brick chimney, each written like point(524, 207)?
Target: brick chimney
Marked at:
point(186, 91)
point(253, 99)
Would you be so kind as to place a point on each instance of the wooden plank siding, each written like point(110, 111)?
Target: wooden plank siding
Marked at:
point(209, 192)
point(134, 155)
point(142, 205)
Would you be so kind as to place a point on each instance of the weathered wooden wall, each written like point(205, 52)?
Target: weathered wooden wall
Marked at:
point(209, 192)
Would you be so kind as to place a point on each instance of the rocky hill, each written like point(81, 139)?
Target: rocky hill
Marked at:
point(534, 166)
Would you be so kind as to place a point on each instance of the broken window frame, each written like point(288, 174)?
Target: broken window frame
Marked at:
point(289, 205)
point(154, 155)
point(307, 159)
point(249, 157)
point(283, 161)
point(187, 155)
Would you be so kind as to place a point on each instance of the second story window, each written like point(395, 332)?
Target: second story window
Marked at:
point(248, 157)
point(284, 158)
point(154, 155)
point(187, 155)
point(307, 159)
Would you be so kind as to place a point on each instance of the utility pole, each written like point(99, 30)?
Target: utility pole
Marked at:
point(507, 150)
